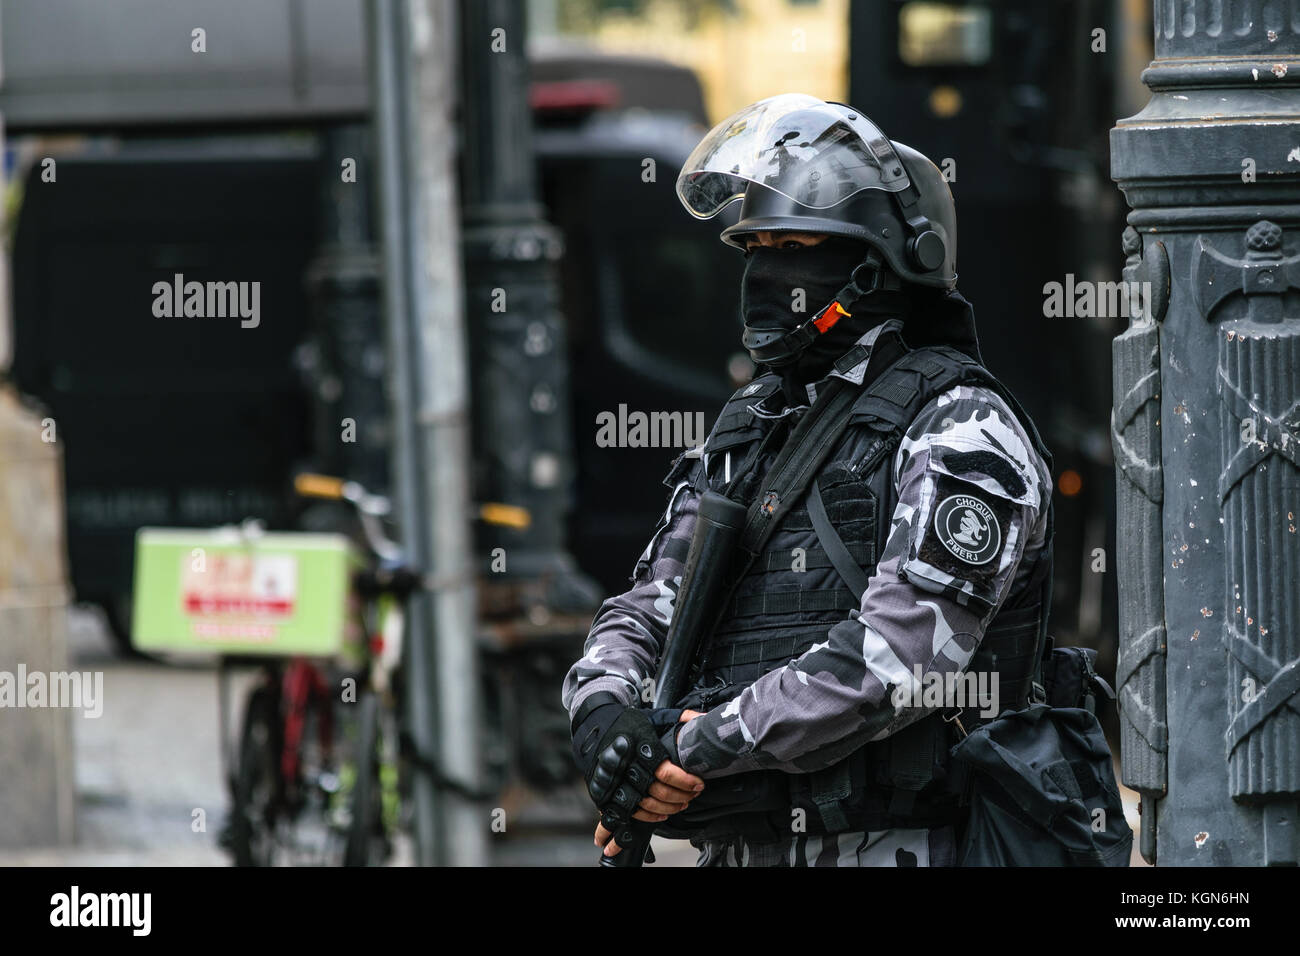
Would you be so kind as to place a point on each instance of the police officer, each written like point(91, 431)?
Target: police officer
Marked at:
point(825, 701)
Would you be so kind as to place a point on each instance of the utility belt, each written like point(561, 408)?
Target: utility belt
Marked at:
point(900, 782)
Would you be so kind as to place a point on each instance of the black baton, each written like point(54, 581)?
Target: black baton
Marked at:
point(704, 582)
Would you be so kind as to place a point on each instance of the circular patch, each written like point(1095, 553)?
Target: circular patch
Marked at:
point(967, 527)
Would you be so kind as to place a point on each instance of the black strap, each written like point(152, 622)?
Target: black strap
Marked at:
point(796, 465)
point(834, 546)
point(831, 787)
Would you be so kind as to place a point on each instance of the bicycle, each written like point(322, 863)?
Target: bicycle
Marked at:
point(317, 777)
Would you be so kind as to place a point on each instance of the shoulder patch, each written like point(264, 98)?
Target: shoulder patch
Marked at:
point(967, 527)
point(965, 534)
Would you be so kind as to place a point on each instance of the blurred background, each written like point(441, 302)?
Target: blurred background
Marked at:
point(224, 164)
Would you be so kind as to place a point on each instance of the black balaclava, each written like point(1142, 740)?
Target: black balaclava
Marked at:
point(767, 300)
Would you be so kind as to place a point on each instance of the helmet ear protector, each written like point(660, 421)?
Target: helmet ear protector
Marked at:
point(926, 250)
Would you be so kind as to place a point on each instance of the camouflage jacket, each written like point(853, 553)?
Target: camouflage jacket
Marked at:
point(914, 618)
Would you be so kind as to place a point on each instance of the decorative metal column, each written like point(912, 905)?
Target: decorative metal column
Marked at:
point(523, 451)
point(535, 604)
point(1207, 407)
point(353, 433)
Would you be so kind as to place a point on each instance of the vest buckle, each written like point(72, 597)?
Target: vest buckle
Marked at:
point(712, 692)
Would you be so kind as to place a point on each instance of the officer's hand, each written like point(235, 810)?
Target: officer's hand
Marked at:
point(672, 790)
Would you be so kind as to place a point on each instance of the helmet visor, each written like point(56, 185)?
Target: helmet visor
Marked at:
point(797, 145)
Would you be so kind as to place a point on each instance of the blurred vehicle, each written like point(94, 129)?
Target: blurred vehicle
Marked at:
point(651, 300)
point(196, 422)
point(199, 422)
point(1014, 106)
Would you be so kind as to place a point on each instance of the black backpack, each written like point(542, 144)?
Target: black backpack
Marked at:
point(1040, 780)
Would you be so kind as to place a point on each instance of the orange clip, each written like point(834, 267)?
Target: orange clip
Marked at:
point(828, 318)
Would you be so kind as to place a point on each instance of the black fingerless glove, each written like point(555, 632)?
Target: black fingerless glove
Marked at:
point(596, 715)
point(617, 748)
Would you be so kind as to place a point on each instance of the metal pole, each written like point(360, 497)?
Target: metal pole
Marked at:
point(387, 41)
point(1206, 441)
point(413, 53)
point(441, 385)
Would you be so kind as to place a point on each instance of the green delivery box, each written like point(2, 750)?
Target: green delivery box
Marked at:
point(222, 591)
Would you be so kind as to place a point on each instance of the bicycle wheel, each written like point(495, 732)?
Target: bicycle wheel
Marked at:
point(313, 834)
point(257, 797)
point(366, 825)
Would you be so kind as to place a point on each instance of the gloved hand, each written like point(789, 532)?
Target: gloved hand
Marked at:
point(618, 748)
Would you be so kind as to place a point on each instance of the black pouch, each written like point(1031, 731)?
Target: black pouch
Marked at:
point(1042, 791)
point(1070, 678)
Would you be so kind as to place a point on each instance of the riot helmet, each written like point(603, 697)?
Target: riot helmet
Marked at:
point(800, 164)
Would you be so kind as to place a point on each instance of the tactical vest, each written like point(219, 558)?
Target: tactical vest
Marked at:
point(788, 600)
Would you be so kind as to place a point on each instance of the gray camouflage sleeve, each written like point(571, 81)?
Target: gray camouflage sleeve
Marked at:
point(970, 492)
point(629, 629)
